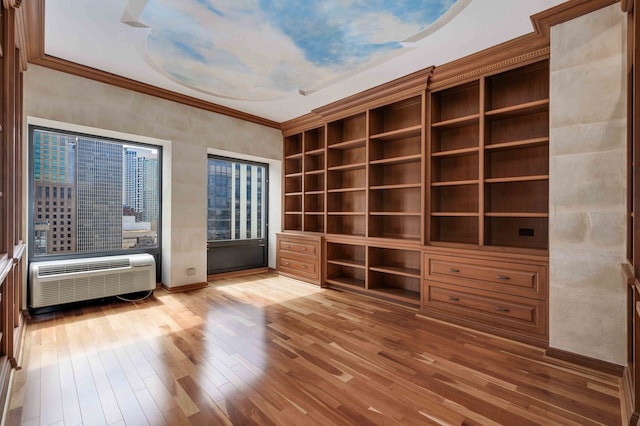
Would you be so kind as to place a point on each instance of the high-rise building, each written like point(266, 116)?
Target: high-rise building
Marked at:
point(219, 200)
point(129, 176)
point(150, 191)
point(99, 202)
point(235, 197)
point(141, 192)
point(54, 157)
point(82, 189)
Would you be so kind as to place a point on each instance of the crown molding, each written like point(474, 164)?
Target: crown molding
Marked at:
point(513, 53)
point(126, 83)
point(36, 55)
point(627, 5)
point(299, 124)
point(34, 22)
point(515, 61)
point(399, 88)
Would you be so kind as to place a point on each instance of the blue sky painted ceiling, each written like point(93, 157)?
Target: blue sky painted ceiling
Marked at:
point(268, 49)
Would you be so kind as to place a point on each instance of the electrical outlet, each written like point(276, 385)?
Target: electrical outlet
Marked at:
point(525, 232)
point(191, 271)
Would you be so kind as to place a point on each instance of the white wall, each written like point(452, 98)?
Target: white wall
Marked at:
point(186, 134)
point(587, 217)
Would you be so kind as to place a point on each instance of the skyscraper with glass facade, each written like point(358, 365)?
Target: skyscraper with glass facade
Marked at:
point(141, 192)
point(99, 201)
point(130, 199)
point(236, 200)
point(219, 200)
point(82, 188)
point(150, 192)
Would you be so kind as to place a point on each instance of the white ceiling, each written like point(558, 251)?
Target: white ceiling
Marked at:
point(124, 37)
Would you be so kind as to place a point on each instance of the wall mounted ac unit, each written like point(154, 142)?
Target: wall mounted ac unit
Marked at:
point(65, 281)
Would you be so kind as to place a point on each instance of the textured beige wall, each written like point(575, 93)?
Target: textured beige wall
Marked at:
point(588, 185)
point(191, 132)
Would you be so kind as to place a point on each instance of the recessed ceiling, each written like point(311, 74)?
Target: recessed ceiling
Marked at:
point(277, 59)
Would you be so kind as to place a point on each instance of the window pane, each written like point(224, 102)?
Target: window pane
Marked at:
point(109, 190)
point(236, 205)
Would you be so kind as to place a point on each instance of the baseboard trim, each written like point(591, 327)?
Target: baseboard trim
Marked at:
point(253, 271)
point(182, 288)
point(585, 361)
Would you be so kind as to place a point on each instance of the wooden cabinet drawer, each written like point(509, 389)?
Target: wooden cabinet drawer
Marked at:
point(304, 248)
point(298, 256)
point(504, 277)
point(299, 267)
point(484, 304)
point(476, 306)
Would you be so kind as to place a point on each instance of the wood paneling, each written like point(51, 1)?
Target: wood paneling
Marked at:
point(12, 246)
point(268, 350)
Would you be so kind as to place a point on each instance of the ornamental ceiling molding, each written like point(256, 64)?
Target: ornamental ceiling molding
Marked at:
point(397, 89)
point(492, 68)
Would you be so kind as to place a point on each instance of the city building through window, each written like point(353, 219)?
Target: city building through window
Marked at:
point(110, 191)
point(236, 203)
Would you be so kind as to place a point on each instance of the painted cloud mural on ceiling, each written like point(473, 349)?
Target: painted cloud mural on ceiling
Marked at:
point(268, 49)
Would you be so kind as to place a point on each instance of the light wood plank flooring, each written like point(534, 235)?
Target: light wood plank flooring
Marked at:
point(268, 350)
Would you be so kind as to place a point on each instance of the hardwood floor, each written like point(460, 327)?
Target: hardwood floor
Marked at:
point(268, 350)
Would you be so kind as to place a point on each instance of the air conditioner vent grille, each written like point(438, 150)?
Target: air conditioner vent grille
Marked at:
point(65, 281)
point(70, 268)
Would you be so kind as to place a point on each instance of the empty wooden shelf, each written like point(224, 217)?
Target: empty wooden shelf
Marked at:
point(461, 171)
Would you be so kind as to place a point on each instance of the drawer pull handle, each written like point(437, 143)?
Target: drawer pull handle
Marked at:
point(455, 299)
point(287, 246)
point(502, 277)
point(499, 309)
point(287, 263)
point(454, 270)
point(304, 266)
point(304, 249)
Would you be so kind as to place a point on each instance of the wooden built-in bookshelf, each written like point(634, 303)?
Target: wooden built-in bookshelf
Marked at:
point(489, 150)
point(314, 179)
point(462, 168)
point(395, 170)
point(293, 183)
point(395, 273)
point(516, 157)
point(346, 265)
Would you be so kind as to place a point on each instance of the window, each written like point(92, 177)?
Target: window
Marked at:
point(237, 198)
point(111, 188)
point(236, 203)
